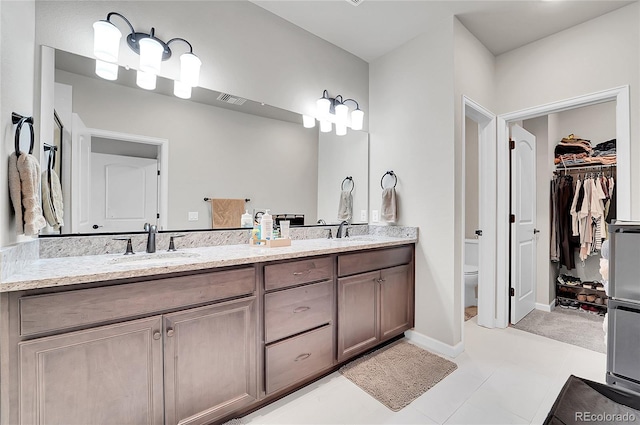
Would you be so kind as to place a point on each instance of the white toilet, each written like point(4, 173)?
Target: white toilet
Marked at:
point(470, 272)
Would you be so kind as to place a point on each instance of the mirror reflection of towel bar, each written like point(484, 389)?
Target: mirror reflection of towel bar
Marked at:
point(210, 199)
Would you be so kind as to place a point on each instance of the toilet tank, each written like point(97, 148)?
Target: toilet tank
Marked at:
point(471, 252)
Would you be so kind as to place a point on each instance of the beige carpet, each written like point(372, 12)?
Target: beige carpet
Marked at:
point(470, 312)
point(397, 374)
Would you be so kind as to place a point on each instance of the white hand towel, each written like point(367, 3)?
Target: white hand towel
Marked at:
point(29, 170)
point(345, 209)
point(389, 209)
point(15, 191)
point(52, 204)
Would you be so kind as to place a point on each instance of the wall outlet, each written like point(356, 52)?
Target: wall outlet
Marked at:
point(193, 215)
point(363, 215)
point(375, 217)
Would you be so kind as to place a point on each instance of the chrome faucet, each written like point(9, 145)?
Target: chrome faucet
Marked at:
point(152, 229)
point(341, 229)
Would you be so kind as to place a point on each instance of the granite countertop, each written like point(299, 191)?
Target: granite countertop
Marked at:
point(54, 272)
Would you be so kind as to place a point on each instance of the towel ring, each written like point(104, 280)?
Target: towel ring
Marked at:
point(391, 173)
point(353, 185)
point(20, 120)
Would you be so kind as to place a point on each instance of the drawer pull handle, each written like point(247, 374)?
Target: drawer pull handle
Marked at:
point(298, 273)
point(169, 332)
point(157, 335)
point(302, 357)
point(301, 309)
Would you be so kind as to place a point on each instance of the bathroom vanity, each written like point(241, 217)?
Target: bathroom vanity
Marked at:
point(195, 339)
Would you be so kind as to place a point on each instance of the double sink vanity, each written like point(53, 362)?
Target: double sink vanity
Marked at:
point(195, 336)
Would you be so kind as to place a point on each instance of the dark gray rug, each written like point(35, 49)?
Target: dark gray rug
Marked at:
point(571, 326)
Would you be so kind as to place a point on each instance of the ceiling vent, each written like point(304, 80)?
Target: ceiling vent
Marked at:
point(355, 2)
point(234, 100)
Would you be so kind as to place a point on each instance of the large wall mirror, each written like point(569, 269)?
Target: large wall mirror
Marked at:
point(135, 156)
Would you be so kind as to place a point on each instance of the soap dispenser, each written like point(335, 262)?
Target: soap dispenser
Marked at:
point(266, 226)
point(246, 220)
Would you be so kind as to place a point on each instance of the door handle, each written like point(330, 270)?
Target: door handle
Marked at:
point(95, 226)
point(536, 231)
point(478, 232)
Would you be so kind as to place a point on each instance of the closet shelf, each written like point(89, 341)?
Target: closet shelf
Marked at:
point(595, 291)
point(582, 302)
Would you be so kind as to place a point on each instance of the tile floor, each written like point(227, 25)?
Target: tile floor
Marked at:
point(505, 376)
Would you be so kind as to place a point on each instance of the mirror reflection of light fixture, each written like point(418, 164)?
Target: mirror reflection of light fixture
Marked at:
point(330, 110)
point(152, 51)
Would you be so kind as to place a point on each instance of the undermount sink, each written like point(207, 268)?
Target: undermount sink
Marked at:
point(362, 238)
point(157, 257)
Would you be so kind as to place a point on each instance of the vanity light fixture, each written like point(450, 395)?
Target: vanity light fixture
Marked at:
point(334, 110)
point(152, 51)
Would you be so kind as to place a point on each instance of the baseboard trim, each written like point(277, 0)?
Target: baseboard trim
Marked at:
point(544, 307)
point(432, 344)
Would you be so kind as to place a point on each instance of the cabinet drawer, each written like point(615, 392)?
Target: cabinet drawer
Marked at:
point(296, 272)
point(361, 262)
point(294, 359)
point(54, 312)
point(295, 310)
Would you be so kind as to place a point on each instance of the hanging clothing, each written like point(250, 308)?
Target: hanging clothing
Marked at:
point(562, 197)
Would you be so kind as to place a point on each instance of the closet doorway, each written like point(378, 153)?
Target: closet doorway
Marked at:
point(618, 95)
point(478, 238)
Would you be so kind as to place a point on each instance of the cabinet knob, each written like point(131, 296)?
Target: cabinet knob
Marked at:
point(302, 357)
point(301, 309)
point(170, 332)
point(157, 335)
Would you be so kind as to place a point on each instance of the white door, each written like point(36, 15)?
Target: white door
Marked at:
point(124, 193)
point(80, 176)
point(523, 230)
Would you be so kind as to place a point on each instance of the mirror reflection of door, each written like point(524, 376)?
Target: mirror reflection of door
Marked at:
point(124, 192)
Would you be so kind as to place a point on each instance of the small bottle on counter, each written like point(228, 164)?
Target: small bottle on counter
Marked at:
point(246, 220)
point(266, 226)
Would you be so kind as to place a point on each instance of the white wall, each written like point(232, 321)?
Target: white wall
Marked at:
point(213, 152)
point(474, 77)
point(17, 81)
point(245, 50)
point(596, 123)
point(339, 157)
point(539, 127)
point(597, 55)
point(411, 133)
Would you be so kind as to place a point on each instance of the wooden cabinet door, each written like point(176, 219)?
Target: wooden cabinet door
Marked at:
point(210, 361)
point(357, 314)
point(396, 301)
point(106, 375)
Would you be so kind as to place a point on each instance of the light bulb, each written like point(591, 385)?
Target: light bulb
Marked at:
point(323, 105)
point(325, 126)
point(357, 118)
point(106, 41)
point(308, 121)
point(146, 80)
point(150, 55)
point(341, 129)
point(106, 70)
point(342, 112)
point(181, 90)
point(190, 69)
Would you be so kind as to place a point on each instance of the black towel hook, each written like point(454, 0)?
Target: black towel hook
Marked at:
point(353, 185)
point(391, 173)
point(20, 120)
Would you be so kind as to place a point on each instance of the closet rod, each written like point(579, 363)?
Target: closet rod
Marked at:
point(586, 167)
